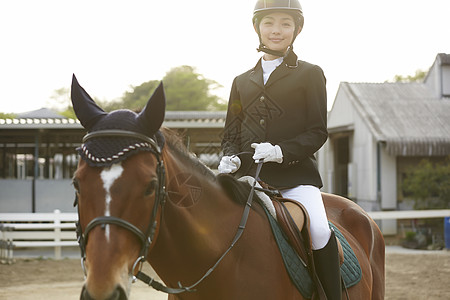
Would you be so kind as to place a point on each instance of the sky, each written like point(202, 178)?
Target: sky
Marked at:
point(113, 45)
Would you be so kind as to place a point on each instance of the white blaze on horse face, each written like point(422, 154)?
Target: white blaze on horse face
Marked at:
point(109, 176)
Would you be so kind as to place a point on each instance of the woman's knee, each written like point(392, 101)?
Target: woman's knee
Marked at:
point(320, 236)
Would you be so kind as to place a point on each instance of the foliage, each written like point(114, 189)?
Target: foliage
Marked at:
point(188, 90)
point(418, 77)
point(68, 113)
point(60, 102)
point(429, 184)
point(410, 236)
point(134, 99)
point(185, 89)
point(60, 99)
point(7, 116)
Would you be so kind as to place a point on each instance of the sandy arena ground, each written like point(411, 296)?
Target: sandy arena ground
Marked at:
point(411, 275)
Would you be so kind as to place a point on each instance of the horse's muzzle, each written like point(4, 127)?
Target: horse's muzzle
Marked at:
point(118, 294)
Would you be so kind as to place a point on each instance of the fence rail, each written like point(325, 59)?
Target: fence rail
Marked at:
point(409, 214)
point(32, 230)
point(25, 230)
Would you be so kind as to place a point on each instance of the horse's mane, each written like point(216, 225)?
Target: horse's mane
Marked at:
point(238, 191)
point(235, 189)
point(174, 141)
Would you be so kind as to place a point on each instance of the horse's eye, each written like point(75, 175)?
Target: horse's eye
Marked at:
point(151, 187)
point(76, 185)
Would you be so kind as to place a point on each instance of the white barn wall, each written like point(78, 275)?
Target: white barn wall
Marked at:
point(363, 153)
point(388, 190)
point(388, 180)
point(342, 113)
point(325, 163)
point(365, 160)
point(432, 80)
point(446, 81)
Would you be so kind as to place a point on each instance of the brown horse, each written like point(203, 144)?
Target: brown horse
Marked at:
point(141, 195)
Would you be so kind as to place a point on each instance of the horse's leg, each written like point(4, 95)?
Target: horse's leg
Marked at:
point(369, 237)
point(377, 262)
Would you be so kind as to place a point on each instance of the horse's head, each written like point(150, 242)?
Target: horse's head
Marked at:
point(119, 185)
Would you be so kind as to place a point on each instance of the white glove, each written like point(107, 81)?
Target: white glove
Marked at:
point(229, 164)
point(268, 152)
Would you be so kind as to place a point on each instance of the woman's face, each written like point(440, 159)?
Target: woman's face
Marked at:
point(277, 31)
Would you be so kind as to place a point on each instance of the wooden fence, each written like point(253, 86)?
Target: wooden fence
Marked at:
point(33, 230)
point(28, 230)
point(409, 214)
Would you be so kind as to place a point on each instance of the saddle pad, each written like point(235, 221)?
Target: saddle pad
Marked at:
point(350, 269)
point(297, 270)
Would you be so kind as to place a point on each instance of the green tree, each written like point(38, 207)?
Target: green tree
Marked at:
point(134, 99)
point(188, 90)
point(7, 116)
point(418, 77)
point(185, 89)
point(60, 102)
point(429, 184)
point(60, 99)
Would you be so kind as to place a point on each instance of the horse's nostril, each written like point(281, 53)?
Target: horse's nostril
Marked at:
point(118, 294)
point(122, 295)
point(85, 294)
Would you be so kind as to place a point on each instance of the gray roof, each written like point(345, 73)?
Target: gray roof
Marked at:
point(407, 116)
point(183, 115)
point(43, 113)
point(45, 118)
point(195, 119)
point(444, 58)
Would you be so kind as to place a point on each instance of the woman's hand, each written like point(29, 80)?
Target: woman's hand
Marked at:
point(267, 152)
point(229, 164)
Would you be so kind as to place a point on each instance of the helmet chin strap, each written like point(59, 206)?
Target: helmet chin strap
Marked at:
point(263, 48)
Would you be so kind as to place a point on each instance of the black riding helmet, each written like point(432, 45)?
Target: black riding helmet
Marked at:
point(264, 7)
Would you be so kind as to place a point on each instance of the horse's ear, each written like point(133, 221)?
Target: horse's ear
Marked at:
point(152, 116)
point(87, 111)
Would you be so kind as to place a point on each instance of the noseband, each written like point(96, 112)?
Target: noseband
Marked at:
point(160, 194)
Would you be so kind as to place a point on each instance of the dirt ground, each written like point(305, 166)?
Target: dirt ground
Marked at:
point(408, 276)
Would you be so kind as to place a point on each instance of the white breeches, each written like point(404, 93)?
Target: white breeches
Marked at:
point(310, 197)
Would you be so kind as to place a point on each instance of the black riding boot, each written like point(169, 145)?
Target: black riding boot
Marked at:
point(326, 261)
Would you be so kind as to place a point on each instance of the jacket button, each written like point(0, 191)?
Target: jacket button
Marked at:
point(262, 122)
point(262, 98)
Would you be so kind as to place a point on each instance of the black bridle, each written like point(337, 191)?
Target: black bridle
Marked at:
point(147, 238)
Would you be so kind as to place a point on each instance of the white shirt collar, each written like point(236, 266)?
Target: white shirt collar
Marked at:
point(269, 66)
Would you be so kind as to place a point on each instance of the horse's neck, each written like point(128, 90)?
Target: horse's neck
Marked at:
point(199, 220)
point(197, 199)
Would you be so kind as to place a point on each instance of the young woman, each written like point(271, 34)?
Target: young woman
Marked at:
point(277, 113)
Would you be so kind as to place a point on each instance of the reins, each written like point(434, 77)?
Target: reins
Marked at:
point(160, 287)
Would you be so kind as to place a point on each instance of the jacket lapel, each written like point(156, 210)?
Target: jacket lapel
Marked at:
point(283, 69)
point(280, 72)
point(256, 75)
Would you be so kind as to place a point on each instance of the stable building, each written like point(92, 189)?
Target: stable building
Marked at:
point(379, 130)
point(38, 156)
